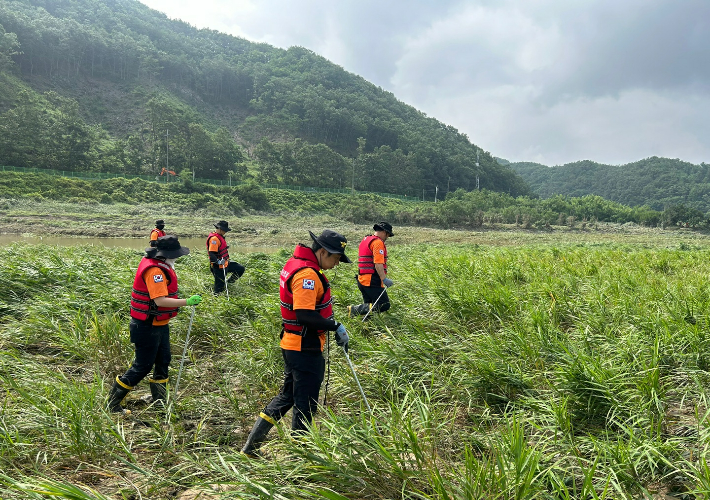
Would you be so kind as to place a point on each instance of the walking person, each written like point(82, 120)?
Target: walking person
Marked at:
point(157, 232)
point(220, 265)
point(372, 271)
point(307, 313)
point(154, 301)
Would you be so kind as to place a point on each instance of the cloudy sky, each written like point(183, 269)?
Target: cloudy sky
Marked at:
point(551, 81)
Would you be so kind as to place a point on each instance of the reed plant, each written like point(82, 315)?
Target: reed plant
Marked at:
point(533, 371)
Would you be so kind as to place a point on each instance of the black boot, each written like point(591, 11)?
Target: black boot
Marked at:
point(116, 395)
point(257, 435)
point(158, 391)
point(359, 310)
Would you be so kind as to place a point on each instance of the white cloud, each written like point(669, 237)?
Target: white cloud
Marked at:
point(616, 130)
point(226, 17)
point(537, 80)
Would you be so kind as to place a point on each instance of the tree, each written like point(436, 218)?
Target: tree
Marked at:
point(9, 46)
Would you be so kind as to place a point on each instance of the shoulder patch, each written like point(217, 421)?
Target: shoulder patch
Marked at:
point(157, 278)
point(382, 252)
point(309, 284)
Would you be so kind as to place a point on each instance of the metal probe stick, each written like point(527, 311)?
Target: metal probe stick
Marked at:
point(373, 304)
point(184, 351)
point(358, 381)
point(226, 286)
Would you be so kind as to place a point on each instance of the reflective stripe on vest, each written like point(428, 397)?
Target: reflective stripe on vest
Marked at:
point(365, 258)
point(142, 307)
point(302, 257)
point(222, 252)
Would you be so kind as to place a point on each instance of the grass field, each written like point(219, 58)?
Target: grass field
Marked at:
point(563, 364)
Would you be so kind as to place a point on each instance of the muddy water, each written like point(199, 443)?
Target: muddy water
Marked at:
point(194, 244)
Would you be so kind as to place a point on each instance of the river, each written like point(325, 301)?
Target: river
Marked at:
point(134, 243)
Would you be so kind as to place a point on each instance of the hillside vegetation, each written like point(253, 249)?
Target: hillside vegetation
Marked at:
point(460, 209)
point(114, 86)
point(660, 183)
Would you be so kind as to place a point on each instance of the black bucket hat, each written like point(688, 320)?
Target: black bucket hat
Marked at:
point(168, 247)
point(160, 222)
point(333, 242)
point(223, 225)
point(383, 226)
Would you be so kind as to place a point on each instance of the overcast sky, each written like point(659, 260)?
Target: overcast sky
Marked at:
point(550, 81)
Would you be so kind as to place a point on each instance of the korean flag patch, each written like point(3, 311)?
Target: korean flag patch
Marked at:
point(309, 284)
point(382, 252)
point(157, 278)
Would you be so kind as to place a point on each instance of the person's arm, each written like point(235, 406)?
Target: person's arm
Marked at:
point(169, 302)
point(378, 258)
point(158, 290)
point(380, 268)
point(313, 319)
point(212, 250)
point(307, 289)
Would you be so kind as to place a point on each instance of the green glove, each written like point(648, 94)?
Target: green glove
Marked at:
point(194, 300)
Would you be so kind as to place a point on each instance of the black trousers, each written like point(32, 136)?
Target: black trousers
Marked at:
point(152, 344)
point(234, 268)
point(369, 296)
point(303, 376)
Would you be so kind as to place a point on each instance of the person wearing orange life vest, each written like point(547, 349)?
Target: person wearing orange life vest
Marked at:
point(154, 301)
point(307, 313)
point(157, 232)
point(218, 252)
point(372, 271)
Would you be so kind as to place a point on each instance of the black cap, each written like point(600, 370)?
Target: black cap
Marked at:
point(223, 225)
point(168, 247)
point(383, 226)
point(160, 222)
point(333, 242)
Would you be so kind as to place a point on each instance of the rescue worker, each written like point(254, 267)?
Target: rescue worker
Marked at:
point(154, 301)
point(307, 313)
point(157, 232)
point(220, 265)
point(372, 271)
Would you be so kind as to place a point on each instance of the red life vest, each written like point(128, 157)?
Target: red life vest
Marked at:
point(142, 307)
point(302, 257)
point(365, 259)
point(222, 252)
point(156, 230)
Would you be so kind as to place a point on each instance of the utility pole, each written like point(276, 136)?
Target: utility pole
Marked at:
point(167, 166)
point(477, 165)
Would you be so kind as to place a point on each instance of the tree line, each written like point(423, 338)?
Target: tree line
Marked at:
point(460, 209)
point(660, 183)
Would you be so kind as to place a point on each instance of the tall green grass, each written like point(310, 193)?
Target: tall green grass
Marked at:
point(538, 371)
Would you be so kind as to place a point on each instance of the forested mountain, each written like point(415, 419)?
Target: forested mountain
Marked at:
point(111, 85)
point(659, 183)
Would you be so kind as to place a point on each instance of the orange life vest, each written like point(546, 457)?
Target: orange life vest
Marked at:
point(159, 231)
point(365, 259)
point(142, 307)
point(303, 257)
point(222, 252)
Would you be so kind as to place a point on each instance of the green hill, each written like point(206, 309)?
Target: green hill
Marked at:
point(114, 86)
point(659, 183)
